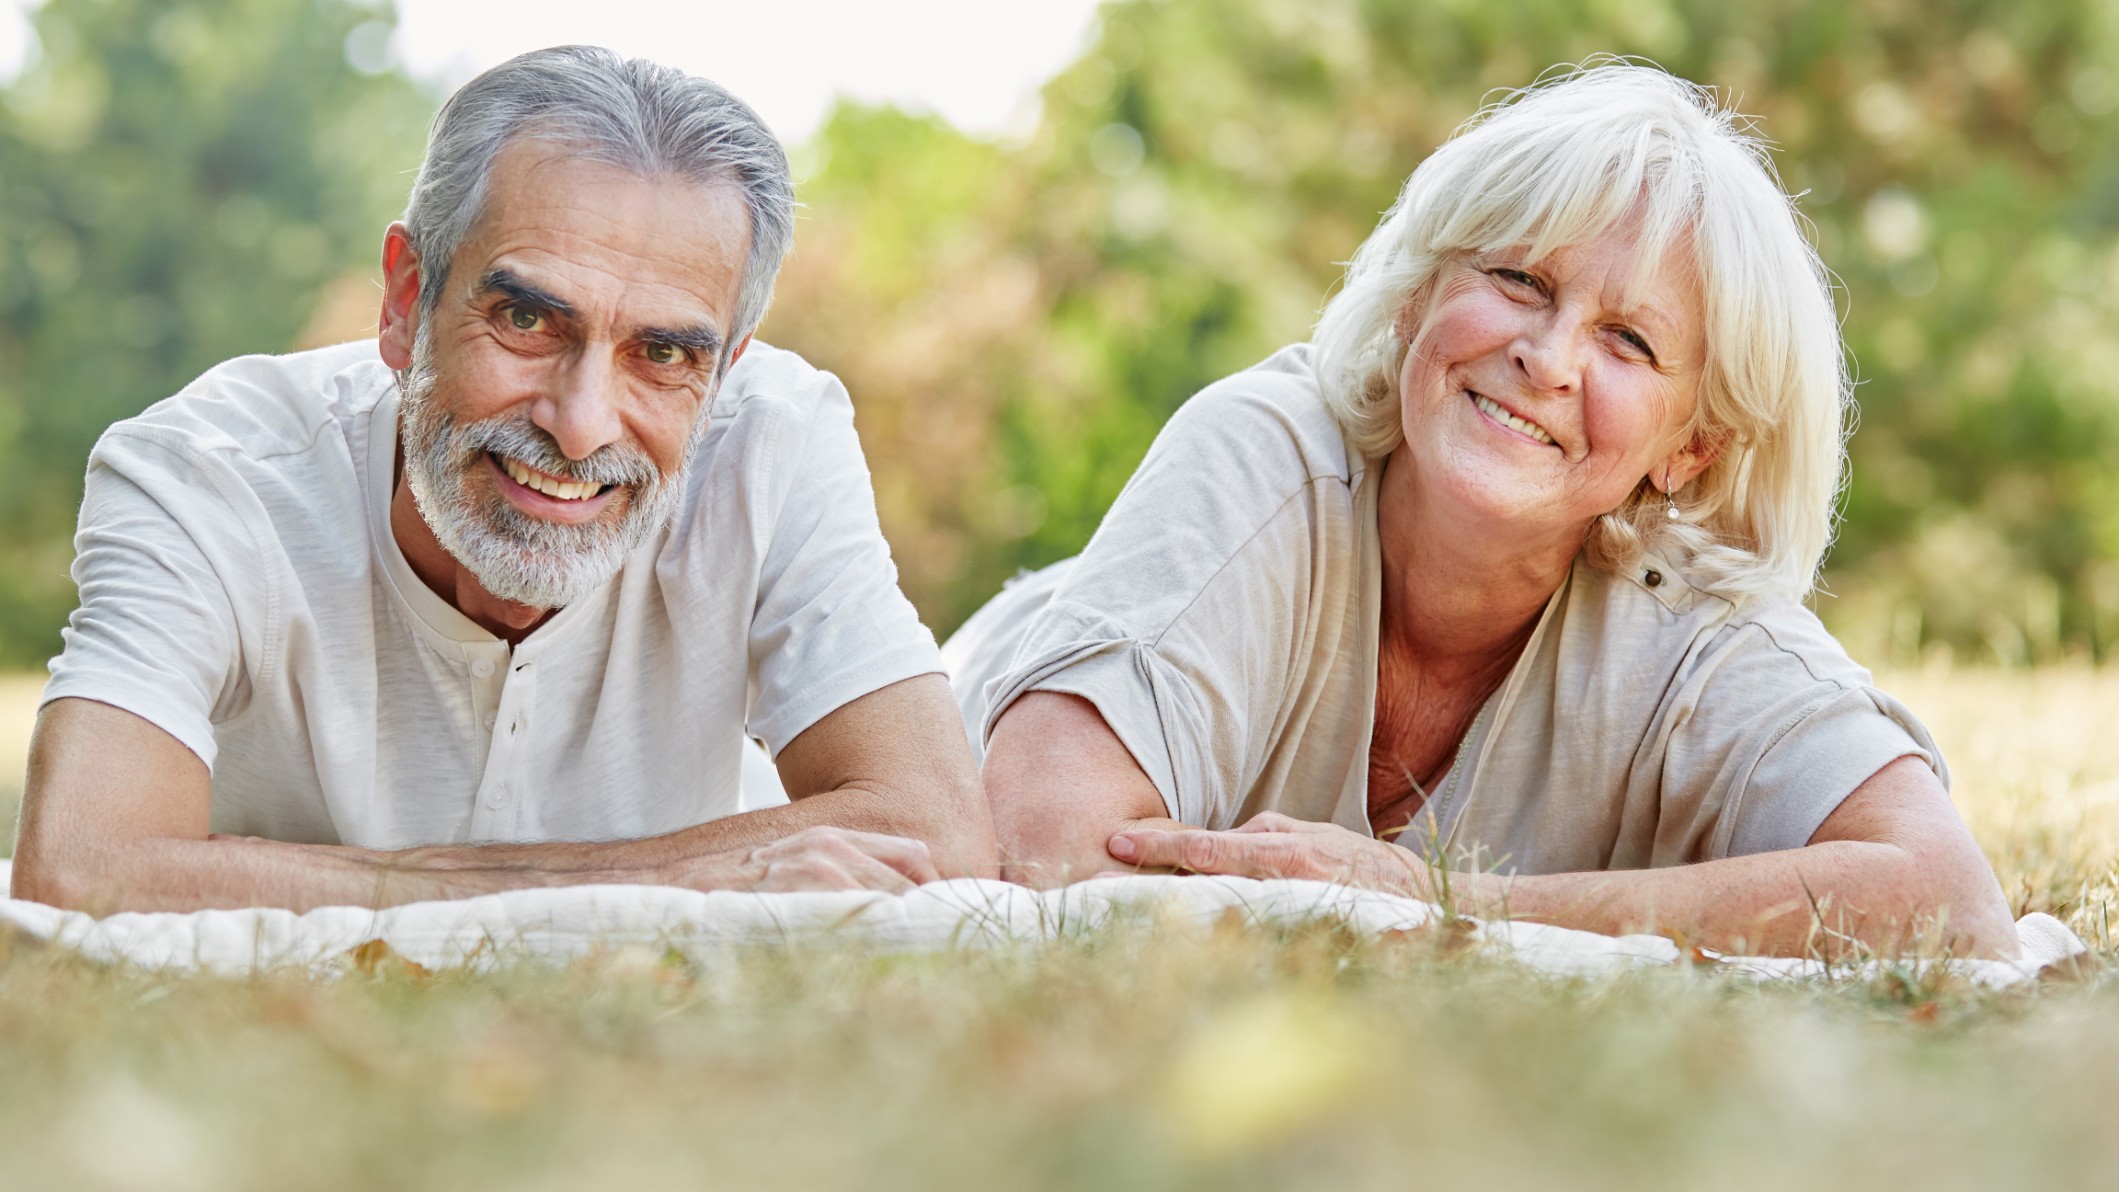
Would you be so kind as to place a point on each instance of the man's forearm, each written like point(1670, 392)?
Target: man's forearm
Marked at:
point(175, 874)
point(956, 853)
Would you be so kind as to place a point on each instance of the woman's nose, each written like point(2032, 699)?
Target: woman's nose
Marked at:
point(1550, 355)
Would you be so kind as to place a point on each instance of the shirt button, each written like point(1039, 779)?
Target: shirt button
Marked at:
point(483, 668)
point(497, 797)
point(1653, 579)
point(489, 724)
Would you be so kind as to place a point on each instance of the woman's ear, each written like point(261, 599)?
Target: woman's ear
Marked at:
point(1684, 465)
point(398, 325)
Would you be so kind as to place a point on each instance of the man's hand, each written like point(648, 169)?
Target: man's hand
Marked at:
point(116, 816)
point(1272, 845)
point(821, 858)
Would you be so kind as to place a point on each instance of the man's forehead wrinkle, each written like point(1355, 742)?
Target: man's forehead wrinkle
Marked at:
point(633, 257)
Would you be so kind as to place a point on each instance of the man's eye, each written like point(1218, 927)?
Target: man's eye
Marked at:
point(663, 354)
point(526, 319)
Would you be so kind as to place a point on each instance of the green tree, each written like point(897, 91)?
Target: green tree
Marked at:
point(1200, 171)
point(178, 182)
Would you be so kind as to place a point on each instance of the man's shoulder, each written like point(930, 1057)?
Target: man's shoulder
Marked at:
point(257, 408)
point(770, 381)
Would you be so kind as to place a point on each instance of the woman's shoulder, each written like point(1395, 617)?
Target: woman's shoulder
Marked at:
point(1269, 421)
point(1655, 610)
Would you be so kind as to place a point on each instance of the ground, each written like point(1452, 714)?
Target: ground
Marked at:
point(1131, 1058)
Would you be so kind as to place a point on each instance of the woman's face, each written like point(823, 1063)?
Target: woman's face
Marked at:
point(1540, 398)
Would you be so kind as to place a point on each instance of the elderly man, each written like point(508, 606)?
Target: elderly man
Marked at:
point(499, 604)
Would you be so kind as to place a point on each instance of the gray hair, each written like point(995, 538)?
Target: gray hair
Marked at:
point(1570, 159)
point(627, 112)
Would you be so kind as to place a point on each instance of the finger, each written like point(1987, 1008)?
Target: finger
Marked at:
point(1274, 821)
point(1195, 849)
point(868, 873)
point(814, 871)
point(1256, 855)
point(903, 854)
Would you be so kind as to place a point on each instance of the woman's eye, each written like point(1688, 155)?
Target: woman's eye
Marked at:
point(524, 318)
point(1633, 340)
point(1518, 279)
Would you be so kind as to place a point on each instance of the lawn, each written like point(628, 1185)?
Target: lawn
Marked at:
point(1132, 1058)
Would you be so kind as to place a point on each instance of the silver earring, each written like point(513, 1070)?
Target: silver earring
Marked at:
point(1670, 499)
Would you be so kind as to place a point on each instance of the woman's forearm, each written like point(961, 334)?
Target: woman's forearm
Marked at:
point(1820, 899)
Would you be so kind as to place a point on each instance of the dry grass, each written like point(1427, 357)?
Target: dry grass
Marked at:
point(1128, 1059)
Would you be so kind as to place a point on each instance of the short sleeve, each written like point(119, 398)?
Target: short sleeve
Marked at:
point(831, 624)
point(155, 632)
point(1184, 620)
point(1783, 727)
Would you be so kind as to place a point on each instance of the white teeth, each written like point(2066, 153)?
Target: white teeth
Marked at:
point(565, 490)
point(1495, 412)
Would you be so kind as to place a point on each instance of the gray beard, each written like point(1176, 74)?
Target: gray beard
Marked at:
point(516, 557)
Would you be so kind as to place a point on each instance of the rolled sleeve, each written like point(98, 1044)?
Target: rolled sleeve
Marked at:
point(1810, 770)
point(1114, 674)
point(1778, 727)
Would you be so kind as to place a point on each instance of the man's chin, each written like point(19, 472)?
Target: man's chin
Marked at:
point(534, 586)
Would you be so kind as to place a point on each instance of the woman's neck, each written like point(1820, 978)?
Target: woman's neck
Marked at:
point(1459, 594)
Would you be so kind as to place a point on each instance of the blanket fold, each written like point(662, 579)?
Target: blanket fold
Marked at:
point(567, 922)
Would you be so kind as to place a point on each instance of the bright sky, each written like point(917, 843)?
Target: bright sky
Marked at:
point(976, 62)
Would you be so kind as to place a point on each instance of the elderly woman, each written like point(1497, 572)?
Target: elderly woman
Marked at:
point(1499, 579)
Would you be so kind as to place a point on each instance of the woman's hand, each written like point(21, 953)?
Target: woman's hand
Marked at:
point(1273, 845)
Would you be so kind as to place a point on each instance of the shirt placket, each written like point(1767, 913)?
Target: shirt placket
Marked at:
point(509, 686)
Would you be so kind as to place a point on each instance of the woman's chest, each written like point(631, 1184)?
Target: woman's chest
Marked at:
point(1419, 727)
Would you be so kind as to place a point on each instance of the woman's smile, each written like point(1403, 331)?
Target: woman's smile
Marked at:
point(1532, 397)
point(1510, 422)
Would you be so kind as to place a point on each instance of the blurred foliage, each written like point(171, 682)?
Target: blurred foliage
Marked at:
point(1015, 322)
point(181, 182)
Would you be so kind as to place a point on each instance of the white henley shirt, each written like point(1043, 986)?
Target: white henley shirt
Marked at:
point(241, 589)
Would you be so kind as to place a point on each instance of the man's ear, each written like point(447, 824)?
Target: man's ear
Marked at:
point(736, 353)
point(399, 324)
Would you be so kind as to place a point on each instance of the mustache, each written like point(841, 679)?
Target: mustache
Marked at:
point(519, 439)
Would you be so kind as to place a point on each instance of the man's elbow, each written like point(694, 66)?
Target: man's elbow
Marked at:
point(68, 881)
point(960, 833)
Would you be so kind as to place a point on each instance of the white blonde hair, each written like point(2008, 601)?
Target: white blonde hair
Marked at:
point(1573, 157)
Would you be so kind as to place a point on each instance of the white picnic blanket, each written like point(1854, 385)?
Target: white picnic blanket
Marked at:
point(568, 922)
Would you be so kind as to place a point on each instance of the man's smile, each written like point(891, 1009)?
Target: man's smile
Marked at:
point(546, 483)
point(546, 497)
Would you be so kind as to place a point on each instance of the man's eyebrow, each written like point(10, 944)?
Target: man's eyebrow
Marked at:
point(698, 337)
point(504, 282)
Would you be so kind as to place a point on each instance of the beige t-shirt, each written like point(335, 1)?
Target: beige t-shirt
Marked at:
point(1224, 620)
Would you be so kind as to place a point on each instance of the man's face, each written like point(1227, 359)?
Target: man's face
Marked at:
point(565, 373)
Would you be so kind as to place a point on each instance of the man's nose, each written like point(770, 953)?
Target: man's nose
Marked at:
point(1550, 354)
point(580, 410)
